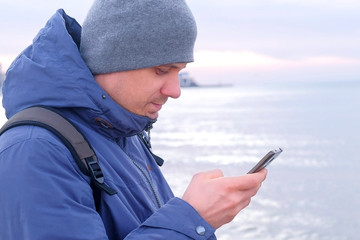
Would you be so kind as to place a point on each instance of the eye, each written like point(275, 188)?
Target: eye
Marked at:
point(161, 70)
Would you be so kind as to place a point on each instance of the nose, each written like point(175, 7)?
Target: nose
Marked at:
point(171, 87)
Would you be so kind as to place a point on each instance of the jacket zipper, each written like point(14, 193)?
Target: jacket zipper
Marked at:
point(158, 202)
point(149, 181)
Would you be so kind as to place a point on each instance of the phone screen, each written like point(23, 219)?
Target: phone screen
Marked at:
point(266, 160)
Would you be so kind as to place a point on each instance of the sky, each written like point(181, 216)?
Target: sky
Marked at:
point(238, 40)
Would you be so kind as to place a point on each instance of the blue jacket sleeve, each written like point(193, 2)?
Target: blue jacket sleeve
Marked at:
point(175, 220)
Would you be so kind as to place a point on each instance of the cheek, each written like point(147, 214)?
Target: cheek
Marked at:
point(133, 99)
point(120, 94)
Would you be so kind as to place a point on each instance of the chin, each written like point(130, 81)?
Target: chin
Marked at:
point(153, 116)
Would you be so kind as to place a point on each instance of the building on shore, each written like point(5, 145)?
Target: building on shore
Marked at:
point(186, 80)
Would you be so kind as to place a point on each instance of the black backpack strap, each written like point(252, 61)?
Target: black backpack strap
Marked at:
point(78, 146)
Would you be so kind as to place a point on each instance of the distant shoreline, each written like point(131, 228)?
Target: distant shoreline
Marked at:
point(216, 85)
point(209, 86)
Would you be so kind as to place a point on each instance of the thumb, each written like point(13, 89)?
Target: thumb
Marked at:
point(208, 175)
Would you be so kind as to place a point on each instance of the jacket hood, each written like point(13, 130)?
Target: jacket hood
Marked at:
point(52, 72)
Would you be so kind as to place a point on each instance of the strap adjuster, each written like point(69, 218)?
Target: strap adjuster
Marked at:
point(95, 170)
point(97, 176)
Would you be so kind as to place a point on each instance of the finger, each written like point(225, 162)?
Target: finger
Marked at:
point(245, 182)
point(245, 198)
point(262, 174)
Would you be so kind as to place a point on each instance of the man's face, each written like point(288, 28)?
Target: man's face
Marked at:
point(143, 91)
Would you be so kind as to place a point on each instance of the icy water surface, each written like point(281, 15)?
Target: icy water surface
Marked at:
point(312, 189)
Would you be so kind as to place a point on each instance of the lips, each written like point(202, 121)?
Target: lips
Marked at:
point(157, 106)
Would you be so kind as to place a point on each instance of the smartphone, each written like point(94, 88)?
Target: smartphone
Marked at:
point(266, 160)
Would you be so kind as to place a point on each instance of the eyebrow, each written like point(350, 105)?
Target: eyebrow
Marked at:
point(172, 66)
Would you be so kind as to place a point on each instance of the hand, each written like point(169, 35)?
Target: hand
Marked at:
point(219, 199)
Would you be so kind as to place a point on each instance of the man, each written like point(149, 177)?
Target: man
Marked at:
point(111, 84)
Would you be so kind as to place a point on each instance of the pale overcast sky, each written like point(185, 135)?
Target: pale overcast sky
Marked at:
point(263, 40)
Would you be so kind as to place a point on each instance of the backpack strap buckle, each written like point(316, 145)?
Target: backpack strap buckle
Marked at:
point(95, 170)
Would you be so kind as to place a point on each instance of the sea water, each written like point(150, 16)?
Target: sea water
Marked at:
point(312, 191)
point(312, 188)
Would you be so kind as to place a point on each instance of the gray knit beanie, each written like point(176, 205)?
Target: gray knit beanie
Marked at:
point(120, 35)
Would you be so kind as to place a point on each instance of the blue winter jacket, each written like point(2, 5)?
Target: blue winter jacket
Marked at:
point(43, 194)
